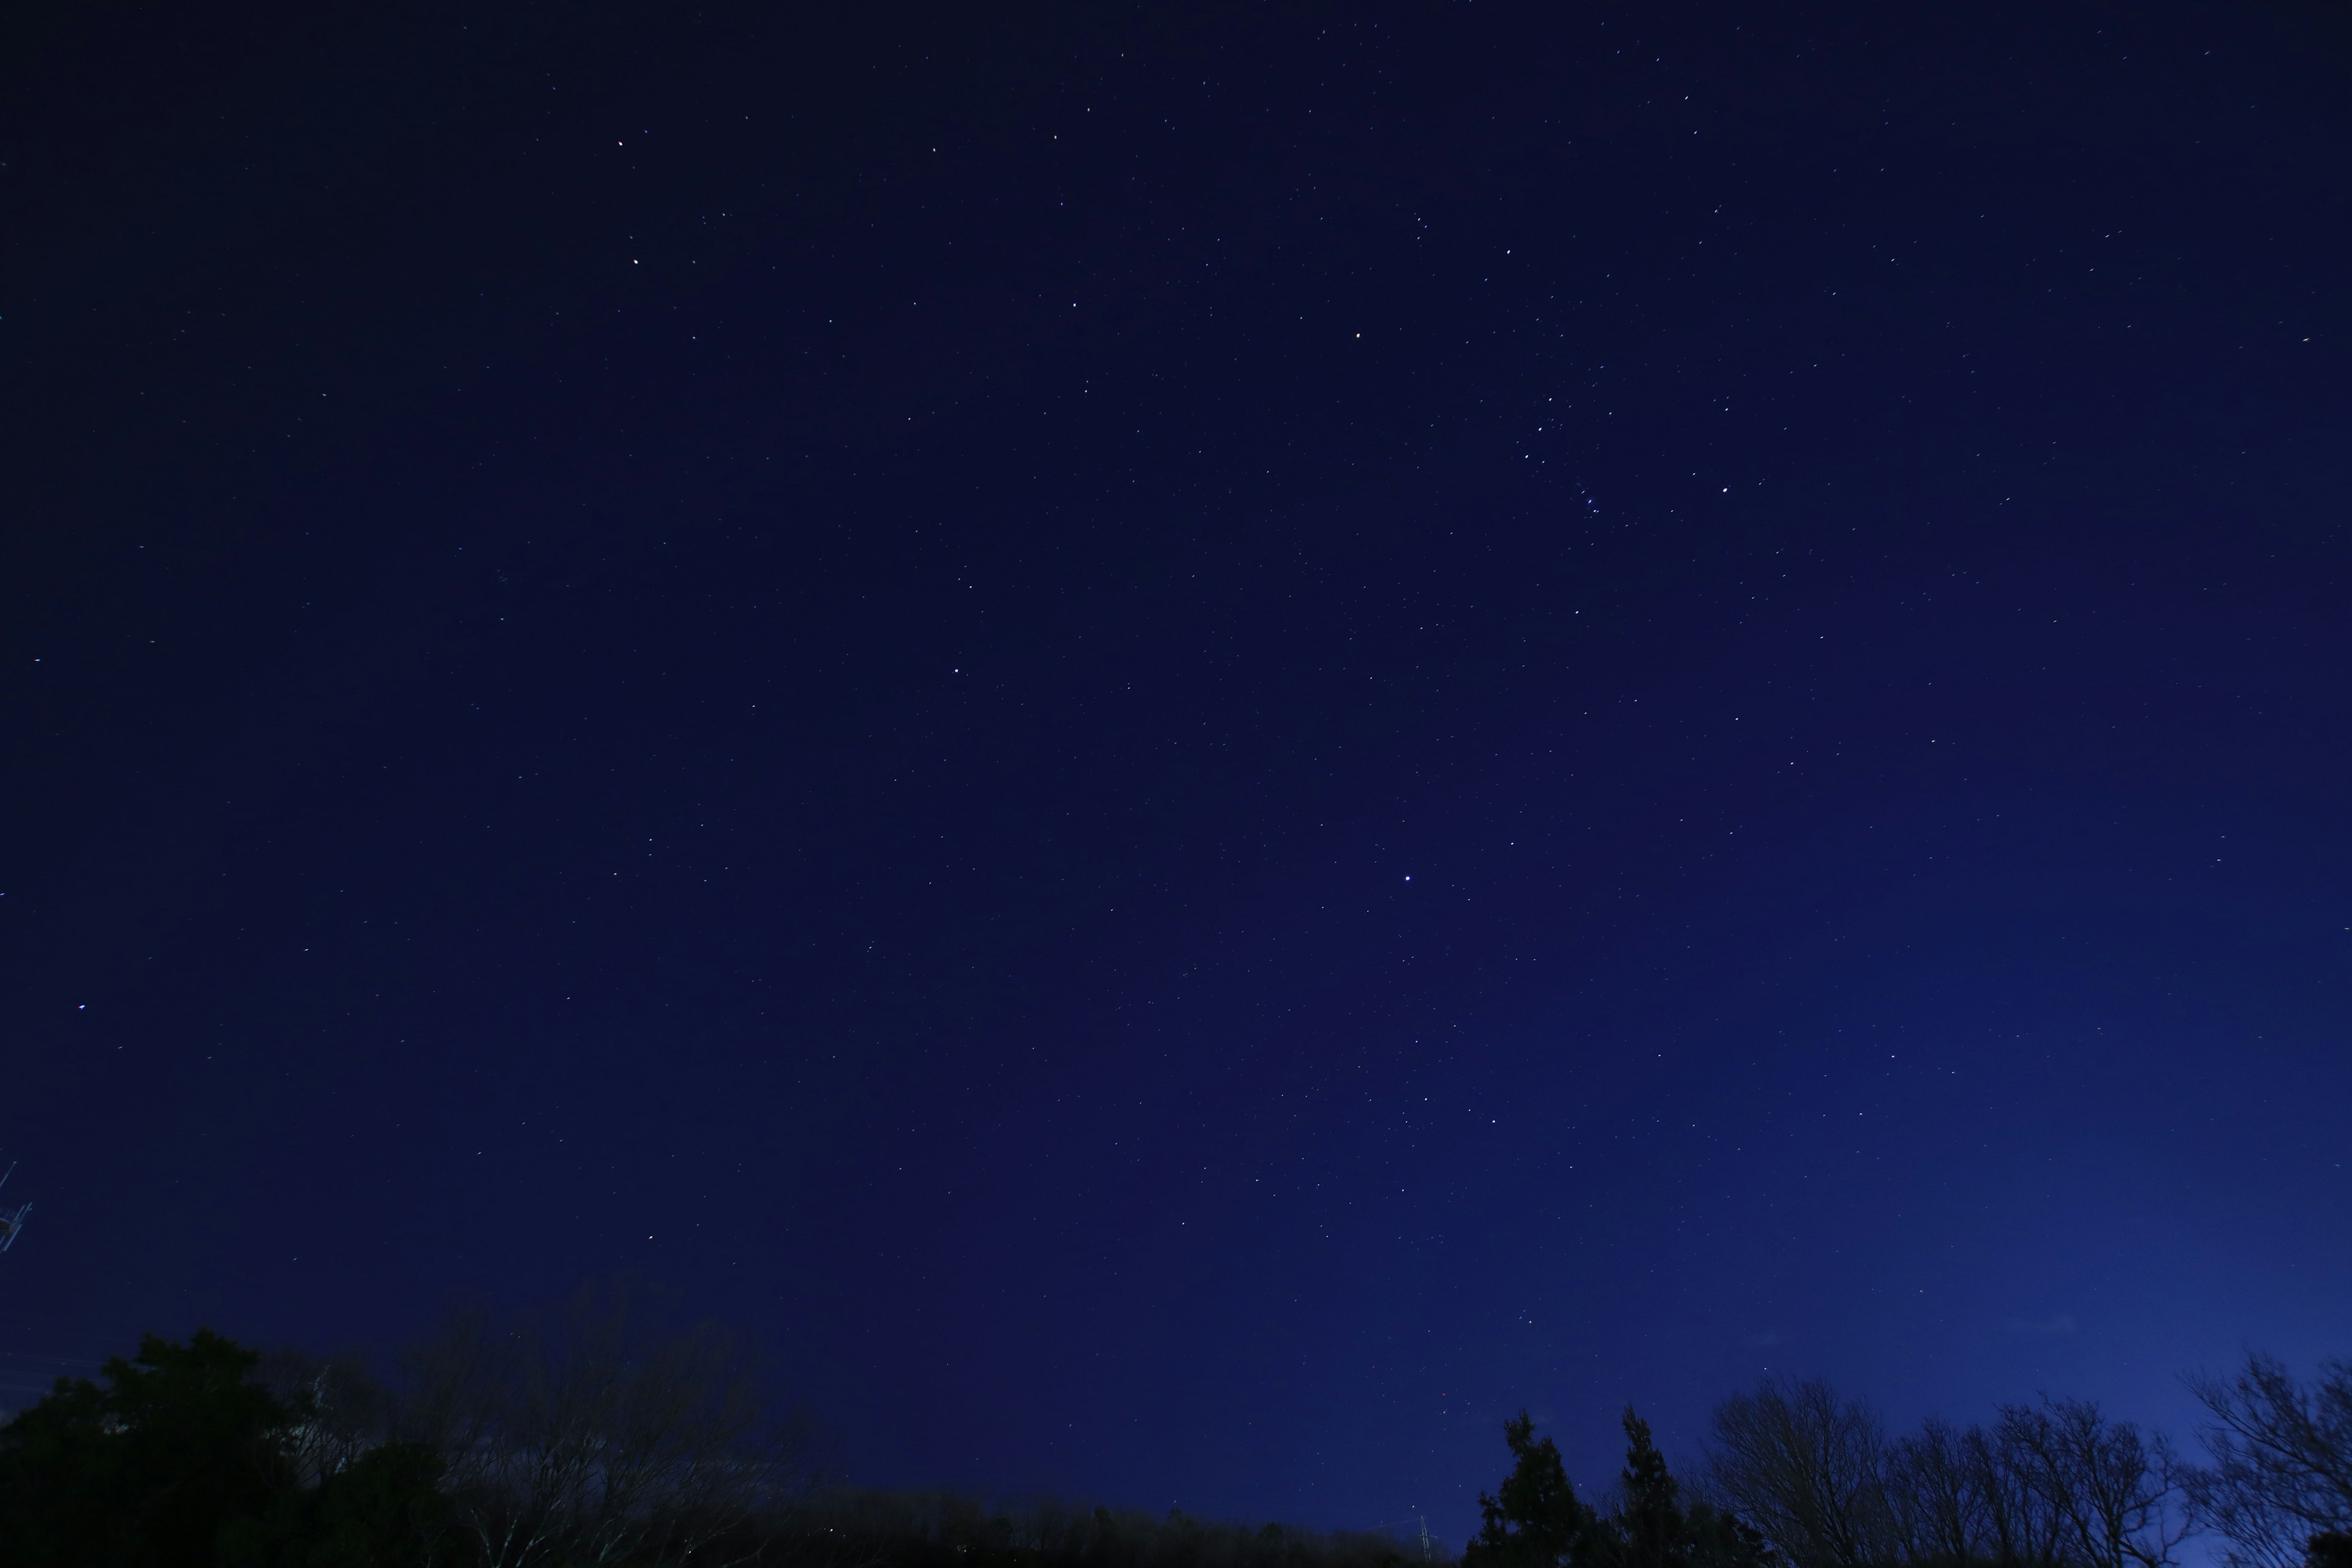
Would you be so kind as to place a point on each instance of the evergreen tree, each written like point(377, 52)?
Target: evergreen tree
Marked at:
point(144, 1472)
point(1648, 1528)
point(183, 1459)
point(1651, 1526)
point(1533, 1520)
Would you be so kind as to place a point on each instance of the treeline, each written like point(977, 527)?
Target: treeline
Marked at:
point(1792, 1476)
point(864, 1528)
point(592, 1435)
point(585, 1437)
point(588, 1436)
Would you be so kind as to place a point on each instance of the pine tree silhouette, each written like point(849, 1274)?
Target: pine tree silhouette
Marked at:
point(1533, 1520)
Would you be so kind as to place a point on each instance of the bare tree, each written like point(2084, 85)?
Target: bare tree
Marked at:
point(1935, 1504)
point(1806, 1469)
point(594, 1438)
point(2112, 1495)
point(2279, 1489)
point(339, 1413)
point(2021, 1527)
point(2056, 1485)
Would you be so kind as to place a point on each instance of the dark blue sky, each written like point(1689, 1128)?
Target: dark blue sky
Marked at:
point(1196, 743)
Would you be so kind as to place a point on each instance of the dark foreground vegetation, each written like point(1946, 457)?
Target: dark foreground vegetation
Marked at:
point(1794, 1476)
point(588, 1437)
point(865, 1530)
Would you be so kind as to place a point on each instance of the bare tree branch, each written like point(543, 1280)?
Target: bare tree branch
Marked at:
point(1804, 1467)
point(597, 1438)
point(2281, 1460)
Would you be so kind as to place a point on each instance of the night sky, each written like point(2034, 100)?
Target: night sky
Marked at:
point(1196, 744)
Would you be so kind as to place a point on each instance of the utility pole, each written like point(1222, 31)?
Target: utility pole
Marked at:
point(10, 1224)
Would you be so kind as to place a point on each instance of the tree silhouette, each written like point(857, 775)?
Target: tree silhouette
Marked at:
point(1533, 1520)
point(383, 1510)
point(2279, 1487)
point(1651, 1526)
point(145, 1472)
